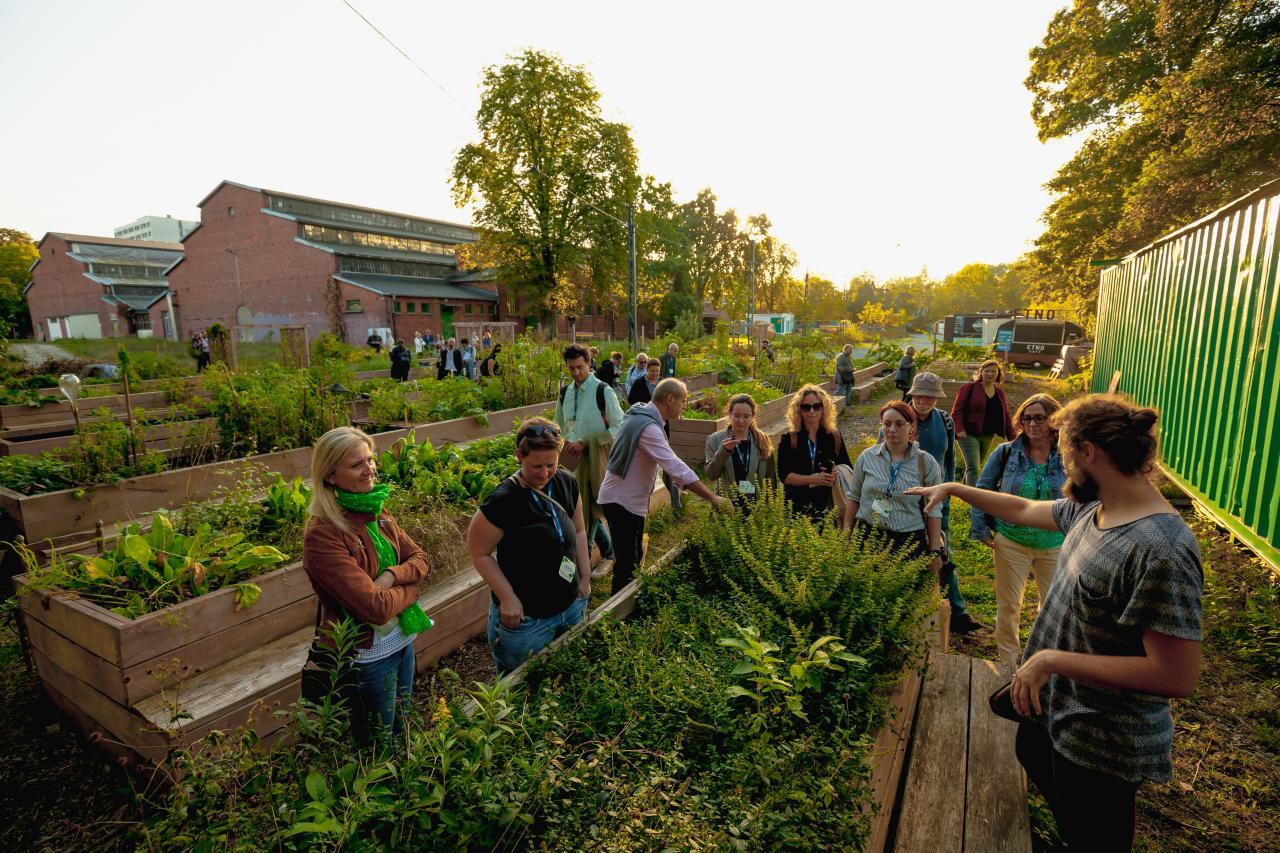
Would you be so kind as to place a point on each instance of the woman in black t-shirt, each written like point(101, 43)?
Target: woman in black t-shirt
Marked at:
point(540, 579)
point(809, 452)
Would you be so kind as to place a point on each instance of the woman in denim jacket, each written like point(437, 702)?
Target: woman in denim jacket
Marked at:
point(1029, 466)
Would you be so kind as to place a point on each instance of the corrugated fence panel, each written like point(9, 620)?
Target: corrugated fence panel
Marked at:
point(1192, 322)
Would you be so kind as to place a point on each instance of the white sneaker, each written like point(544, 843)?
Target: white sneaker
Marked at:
point(603, 569)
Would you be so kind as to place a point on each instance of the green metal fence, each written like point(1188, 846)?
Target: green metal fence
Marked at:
point(1192, 323)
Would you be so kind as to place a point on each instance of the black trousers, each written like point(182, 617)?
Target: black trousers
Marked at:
point(915, 541)
point(627, 531)
point(1093, 810)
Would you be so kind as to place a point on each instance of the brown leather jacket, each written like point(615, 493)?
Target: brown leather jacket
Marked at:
point(342, 566)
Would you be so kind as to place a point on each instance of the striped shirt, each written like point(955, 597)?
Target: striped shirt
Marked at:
point(876, 476)
point(1111, 586)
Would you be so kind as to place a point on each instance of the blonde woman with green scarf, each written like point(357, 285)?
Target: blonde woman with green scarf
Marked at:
point(363, 565)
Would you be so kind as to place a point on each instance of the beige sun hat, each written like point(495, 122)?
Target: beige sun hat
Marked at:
point(927, 385)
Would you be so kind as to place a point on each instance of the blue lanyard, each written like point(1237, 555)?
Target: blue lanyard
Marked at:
point(813, 455)
point(893, 475)
point(743, 454)
point(555, 516)
point(575, 404)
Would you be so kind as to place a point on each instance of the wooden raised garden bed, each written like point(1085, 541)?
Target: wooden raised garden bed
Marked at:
point(887, 756)
point(143, 687)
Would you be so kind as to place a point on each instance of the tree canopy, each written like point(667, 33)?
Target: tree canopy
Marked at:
point(17, 253)
point(1180, 101)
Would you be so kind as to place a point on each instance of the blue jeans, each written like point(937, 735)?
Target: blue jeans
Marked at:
point(384, 689)
point(599, 535)
point(952, 586)
point(513, 646)
point(845, 389)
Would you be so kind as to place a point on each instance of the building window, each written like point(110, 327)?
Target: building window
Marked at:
point(369, 218)
point(140, 321)
point(353, 307)
point(410, 306)
point(344, 237)
point(468, 307)
point(231, 211)
point(494, 309)
point(395, 307)
point(383, 266)
point(426, 308)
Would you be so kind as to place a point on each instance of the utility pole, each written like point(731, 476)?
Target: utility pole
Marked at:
point(751, 290)
point(631, 276)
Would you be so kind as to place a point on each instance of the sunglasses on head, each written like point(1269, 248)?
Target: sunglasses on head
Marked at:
point(539, 430)
point(811, 407)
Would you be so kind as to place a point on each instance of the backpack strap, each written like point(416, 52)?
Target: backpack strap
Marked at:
point(600, 403)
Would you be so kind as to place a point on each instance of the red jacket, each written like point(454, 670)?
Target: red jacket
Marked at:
point(970, 409)
point(342, 566)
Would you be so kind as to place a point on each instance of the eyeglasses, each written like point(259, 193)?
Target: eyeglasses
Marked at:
point(811, 407)
point(1034, 419)
point(538, 431)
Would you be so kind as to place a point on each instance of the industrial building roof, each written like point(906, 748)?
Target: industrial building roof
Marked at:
point(414, 287)
point(371, 251)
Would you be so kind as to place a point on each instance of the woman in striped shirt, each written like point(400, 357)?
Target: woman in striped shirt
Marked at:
point(875, 493)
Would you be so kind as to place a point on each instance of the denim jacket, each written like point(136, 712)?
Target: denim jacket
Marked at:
point(1005, 468)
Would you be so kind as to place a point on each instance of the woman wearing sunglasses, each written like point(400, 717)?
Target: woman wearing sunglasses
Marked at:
point(540, 579)
point(1028, 466)
point(809, 453)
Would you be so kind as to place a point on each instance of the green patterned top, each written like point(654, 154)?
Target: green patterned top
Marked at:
point(1035, 487)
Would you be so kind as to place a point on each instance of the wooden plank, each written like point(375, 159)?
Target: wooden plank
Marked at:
point(91, 627)
point(251, 676)
point(888, 756)
point(104, 677)
point(161, 633)
point(117, 721)
point(996, 817)
point(142, 679)
point(932, 814)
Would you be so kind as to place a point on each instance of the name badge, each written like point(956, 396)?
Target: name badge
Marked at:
point(880, 511)
point(568, 570)
point(746, 487)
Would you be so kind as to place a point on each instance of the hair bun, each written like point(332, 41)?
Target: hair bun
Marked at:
point(1143, 418)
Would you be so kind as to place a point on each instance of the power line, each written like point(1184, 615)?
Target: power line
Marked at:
point(458, 104)
point(424, 72)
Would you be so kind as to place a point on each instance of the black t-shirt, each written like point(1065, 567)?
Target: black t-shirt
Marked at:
point(607, 373)
point(640, 392)
point(811, 500)
point(993, 422)
point(530, 550)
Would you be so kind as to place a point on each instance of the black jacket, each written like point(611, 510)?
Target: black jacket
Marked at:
point(457, 362)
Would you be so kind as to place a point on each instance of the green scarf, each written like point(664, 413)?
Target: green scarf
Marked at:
point(412, 619)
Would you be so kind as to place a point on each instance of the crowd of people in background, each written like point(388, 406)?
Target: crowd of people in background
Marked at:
point(1059, 493)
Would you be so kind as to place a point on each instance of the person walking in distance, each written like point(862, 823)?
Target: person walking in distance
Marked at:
point(669, 361)
point(845, 374)
point(1120, 629)
point(906, 372)
point(981, 413)
point(636, 371)
point(641, 447)
point(590, 417)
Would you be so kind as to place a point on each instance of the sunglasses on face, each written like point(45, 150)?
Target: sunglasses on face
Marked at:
point(811, 407)
point(539, 430)
point(1033, 419)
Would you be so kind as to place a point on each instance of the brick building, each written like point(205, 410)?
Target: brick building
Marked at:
point(101, 287)
point(262, 258)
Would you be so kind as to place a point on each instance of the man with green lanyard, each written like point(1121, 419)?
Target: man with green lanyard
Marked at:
point(589, 418)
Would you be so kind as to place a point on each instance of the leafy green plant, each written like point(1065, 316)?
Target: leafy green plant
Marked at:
point(35, 475)
point(148, 571)
point(273, 408)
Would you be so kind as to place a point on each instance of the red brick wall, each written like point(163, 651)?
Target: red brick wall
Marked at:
point(59, 288)
point(281, 281)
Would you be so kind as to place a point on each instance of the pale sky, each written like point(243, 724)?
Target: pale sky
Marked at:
point(876, 136)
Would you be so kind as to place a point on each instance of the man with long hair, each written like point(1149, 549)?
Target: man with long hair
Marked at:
point(1120, 628)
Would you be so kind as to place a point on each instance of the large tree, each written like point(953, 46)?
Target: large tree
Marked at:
point(1180, 101)
point(551, 181)
point(17, 253)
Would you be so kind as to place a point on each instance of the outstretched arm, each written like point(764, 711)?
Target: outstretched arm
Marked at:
point(1010, 508)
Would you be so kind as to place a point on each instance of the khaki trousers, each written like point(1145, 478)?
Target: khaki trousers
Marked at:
point(1013, 562)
